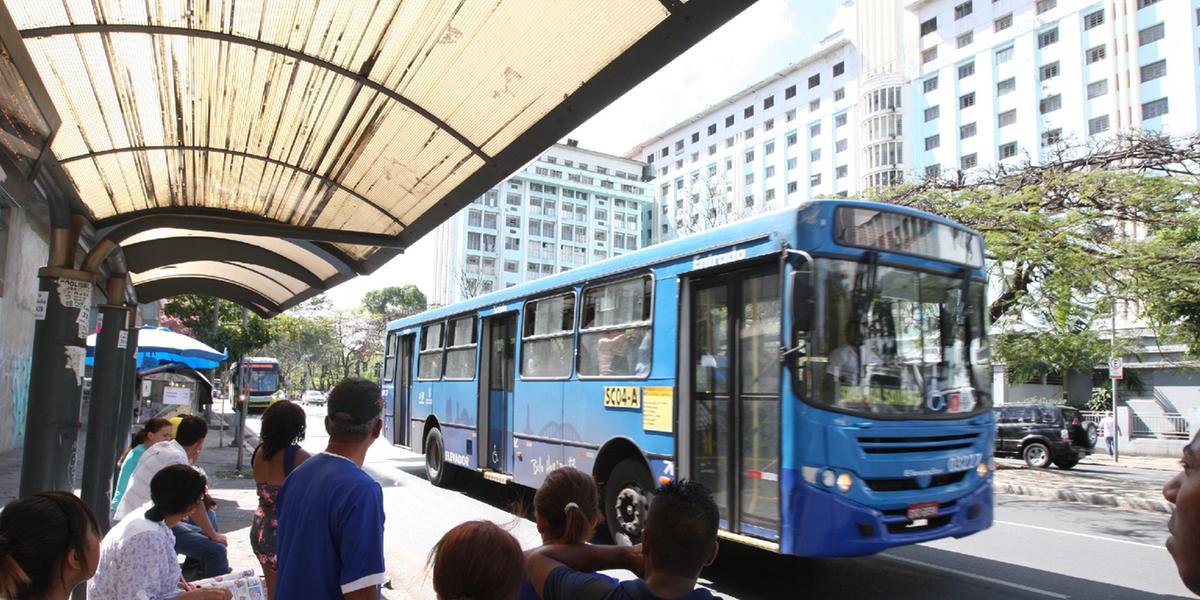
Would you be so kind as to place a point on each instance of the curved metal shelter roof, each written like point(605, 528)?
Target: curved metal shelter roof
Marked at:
point(266, 150)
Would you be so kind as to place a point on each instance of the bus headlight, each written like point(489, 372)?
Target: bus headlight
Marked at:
point(845, 482)
point(828, 477)
point(981, 469)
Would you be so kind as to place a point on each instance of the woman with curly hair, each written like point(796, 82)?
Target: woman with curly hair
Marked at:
point(277, 454)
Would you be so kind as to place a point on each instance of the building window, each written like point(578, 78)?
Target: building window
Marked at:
point(1144, 3)
point(1050, 104)
point(790, 139)
point(769, 124)
point(966, 100)
point(929, 26)
point(839, 94)
point(814, 105)
point(750, 156)
point(1096, 89)
point(1008, 150)
point(966, 131)
point(814, 130)
point(473, 241)
point(932, 113)
point(1094, 54)
point(839, 69)
point(768, 102)
point(814, 81)
point(789, 93)
point(1045, 5)
point(1047, 38)
point(1051, 137)
point(1049, 71)
point(791, 187)
point(928, 55)
point(841, 146)
point(968, 161)
point(966, 70)
point(932, 171)
point(839, 120)
point(1007, 118)
point(712, 129)
point(965, 39)
point(841, 171)
point(1098, 125)
point(749, 133)
point(1154, 108)
point(962, 10)
point(1093, 19)
point(932, 142)
point(1154, 70)
point(814, 155)
point(769, 172)
point(1004, 55)
point(1003, 23)
point(814, 179)
point(678, 146)
point(930, 84)
point(729, 121)
point(1150, 34)
point(748, 112)
point(1007, 86)
point(712, 149)
point(695, 137)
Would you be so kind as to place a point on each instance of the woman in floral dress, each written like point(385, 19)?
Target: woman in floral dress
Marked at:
point(277, 454)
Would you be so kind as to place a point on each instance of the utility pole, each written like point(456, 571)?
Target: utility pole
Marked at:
point(1117, 428)
point(242, 399)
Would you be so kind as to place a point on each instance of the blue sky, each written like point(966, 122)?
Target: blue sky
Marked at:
point(765, 38)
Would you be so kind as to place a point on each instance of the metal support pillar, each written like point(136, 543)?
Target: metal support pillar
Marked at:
point(104, 435)
point(130, 394)
point(56, 376)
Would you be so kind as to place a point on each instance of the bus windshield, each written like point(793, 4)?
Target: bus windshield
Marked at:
point(901, 343)
point(262, 379)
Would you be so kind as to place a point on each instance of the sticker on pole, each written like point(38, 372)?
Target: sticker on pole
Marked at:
point(1116, 368)
point(123, 339)
point(39, 307)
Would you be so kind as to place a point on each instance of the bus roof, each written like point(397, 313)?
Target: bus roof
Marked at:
point(260, 359)
point(765, 224)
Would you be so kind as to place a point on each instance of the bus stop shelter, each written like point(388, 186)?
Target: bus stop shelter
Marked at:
point(264, 151)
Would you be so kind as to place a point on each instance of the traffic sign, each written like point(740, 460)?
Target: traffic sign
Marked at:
point(1116, 368)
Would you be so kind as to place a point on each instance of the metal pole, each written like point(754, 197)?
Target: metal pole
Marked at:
point(103, 432)
point(242, 399)
point(1116, 427)
point(56, 374)
point(129, 384)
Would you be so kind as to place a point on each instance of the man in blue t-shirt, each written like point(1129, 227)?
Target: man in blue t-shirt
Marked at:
point(329, 542)
point(680, 539)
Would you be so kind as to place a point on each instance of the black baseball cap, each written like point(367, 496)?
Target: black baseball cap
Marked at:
point(355, 401)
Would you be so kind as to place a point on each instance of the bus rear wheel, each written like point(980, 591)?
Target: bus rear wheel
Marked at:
point(436, 470)
point(626, 501)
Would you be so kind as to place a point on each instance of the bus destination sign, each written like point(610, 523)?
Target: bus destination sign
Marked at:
point(907, 234)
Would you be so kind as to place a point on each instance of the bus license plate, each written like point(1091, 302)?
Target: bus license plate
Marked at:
point(922, 510)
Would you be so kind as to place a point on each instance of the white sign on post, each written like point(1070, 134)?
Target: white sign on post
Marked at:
point(1116, 368)
point(177, 395)
point(147, 387)
point(39, 307)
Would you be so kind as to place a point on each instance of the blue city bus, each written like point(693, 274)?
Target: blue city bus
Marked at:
point(824, 370)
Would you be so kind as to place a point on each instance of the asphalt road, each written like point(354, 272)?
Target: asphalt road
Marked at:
point(1036, 549)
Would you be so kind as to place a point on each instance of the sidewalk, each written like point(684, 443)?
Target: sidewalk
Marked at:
point(1096, 480)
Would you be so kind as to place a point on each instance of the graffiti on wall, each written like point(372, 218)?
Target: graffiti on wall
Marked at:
point(14, 375)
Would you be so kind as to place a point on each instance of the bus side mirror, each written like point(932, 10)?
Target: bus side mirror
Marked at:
point(802, 300)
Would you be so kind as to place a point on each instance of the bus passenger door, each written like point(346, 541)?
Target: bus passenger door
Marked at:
point(501, 345)
point(735, 324)
point(402, 412)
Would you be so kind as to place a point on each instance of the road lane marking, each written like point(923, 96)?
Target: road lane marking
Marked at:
point(992, 580)
point(1086, 535)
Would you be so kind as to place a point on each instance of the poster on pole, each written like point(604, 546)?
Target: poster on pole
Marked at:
point(1116, 368)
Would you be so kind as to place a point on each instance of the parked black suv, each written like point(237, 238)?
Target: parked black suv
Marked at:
point(1042, 434)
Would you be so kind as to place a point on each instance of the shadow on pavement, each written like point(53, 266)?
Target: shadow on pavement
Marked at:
point(913, 572)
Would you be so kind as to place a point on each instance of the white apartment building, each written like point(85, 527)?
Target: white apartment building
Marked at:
point(904, 90)
point(567, 208)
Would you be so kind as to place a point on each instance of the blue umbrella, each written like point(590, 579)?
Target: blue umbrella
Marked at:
point(159, 345)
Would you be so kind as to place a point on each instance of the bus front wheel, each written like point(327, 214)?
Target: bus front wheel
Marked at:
point(436, 469)
point(626, 500)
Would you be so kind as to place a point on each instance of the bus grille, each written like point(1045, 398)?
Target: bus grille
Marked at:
point(907, 445)
point(910, 483)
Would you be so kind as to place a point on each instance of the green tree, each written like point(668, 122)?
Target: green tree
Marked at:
point(1071, 236)
point(391, 303)
point(219, 324)
point(301, 344)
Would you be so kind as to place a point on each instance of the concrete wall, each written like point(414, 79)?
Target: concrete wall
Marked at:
point(26, 252)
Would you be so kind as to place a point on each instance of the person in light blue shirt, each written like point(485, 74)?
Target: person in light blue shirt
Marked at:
point(329, 541)
point(154, 431)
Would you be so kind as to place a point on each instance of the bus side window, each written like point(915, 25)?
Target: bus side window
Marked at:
point(614, 329)
point(460, 350)
point(547, 339)
point(429, 365)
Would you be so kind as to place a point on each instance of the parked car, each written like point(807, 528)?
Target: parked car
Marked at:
point(1042, 434)
point(312, 397)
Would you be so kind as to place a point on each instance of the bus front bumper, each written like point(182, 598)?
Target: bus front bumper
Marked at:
point(842, 527)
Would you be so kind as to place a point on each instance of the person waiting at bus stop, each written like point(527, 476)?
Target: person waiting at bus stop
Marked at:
point(329, 541)
point(198, 539)
point(679, 540)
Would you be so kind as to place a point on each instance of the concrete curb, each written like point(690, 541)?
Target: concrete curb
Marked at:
point(1093, 498)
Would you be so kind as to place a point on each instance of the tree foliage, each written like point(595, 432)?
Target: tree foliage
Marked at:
point(1089, 229)
point(198, 313)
